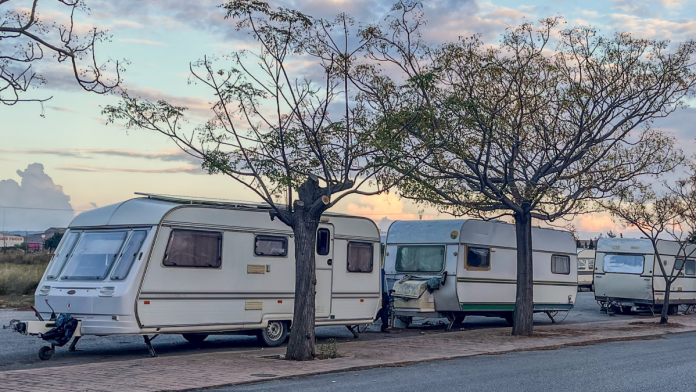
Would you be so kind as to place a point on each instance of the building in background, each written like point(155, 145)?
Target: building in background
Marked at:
point(35, 242)
point(10, 240)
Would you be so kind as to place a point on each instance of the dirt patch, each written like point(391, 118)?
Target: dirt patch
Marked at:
point(656, 324)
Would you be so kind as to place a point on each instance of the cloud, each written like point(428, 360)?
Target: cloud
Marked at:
point(142, 41)
point(60, 109)
point(180, 169)
point(36, 203)
point(163, 154)
point(383, 209)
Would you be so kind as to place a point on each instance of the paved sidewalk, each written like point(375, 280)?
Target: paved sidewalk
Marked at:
point(195, 371)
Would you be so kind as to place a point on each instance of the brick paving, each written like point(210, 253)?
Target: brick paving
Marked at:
point(194, 371)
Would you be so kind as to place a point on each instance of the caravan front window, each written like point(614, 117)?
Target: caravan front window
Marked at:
point(93, 255)
point(129, 255)
point(624, 264)
point(62, 254)
point(420, 258)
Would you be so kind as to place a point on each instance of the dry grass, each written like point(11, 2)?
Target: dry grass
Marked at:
point(20, 274)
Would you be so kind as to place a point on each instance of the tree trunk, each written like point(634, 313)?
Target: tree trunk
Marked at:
point(301, 345)
point(664, 316)
point(523, 324)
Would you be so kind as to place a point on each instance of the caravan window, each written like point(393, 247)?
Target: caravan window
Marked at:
point(690, 267)
point(624, 264)
point(323, 242)
point(478, 259)
point(582, 264)
point(359, 257)
point(267, 245)
point(129, 255)
point(420, 258)
point(193, 248)
point(93, 255)
point(62, 253)
point(560, 265)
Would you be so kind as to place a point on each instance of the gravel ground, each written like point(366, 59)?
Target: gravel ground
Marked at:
point(20, 352)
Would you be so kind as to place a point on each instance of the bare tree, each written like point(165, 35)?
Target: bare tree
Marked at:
point(285, 124)
point(536, 128)
point(25, 40)
point(656, 214)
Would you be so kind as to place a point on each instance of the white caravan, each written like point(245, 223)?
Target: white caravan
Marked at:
point(586, 260)
point(627, 278)
point(455, 268)
point(168, 265)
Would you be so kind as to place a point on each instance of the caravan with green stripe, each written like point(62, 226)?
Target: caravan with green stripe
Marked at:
point(456, 268)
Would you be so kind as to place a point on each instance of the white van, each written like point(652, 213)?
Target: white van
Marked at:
point(169, 265)
point(455, 268)
point(626, 277)
point(586, 261)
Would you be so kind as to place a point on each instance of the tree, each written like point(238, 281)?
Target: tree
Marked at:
point(52, 243)
point(534, 131)
point(611, 234)
point(591, 246)
point(578, 244)
point(301, 144)
point(655, 214)
point(26, 39)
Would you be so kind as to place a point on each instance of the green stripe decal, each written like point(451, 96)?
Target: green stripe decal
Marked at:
point(510, 307)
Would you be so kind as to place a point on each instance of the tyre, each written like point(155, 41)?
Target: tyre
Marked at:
point(509, 317)
point(45, 353)
point(195, 337)
point(274, 334)
point(626, 309)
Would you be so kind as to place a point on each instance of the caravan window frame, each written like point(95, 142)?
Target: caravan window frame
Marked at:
point(169, 241)
point(474, 268)
point(604, 264)
point(551, 264)
point(372, 256)
point(272, 238)
point(444, 258)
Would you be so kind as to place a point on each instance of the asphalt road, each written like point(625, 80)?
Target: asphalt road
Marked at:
point(665, 364)
point(20, 352)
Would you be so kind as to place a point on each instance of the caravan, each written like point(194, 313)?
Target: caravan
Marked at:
point(627, 278)
point(455, 268)
point(169, 265)
point(586, 261)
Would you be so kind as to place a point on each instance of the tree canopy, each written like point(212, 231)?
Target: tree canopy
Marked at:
point(27, 40)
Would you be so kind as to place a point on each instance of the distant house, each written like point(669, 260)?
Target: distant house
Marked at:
point(35, 242)
point(584, 244)
point(10, 240)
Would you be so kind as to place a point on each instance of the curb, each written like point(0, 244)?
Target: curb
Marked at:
point(653, 336)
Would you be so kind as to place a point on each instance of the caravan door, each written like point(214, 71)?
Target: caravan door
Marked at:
point(324, 269)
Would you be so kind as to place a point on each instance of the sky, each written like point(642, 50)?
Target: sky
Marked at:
point(64, 158)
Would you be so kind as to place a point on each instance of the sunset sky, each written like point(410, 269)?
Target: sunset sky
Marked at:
point(70, 160)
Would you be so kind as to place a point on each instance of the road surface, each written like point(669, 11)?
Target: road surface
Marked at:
point(20, 352)
point(665, 364)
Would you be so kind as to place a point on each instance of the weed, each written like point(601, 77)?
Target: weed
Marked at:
point(328, 350)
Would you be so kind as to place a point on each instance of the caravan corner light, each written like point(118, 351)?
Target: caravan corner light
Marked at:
point(45, 290)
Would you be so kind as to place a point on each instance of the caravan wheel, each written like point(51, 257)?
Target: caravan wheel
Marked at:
point(274, 334)
point(46, 352)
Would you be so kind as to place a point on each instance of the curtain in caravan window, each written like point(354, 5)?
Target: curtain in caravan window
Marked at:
point(420, 258)
point(192, 248)
point(624, 264)
point(560, 265)
point(359, 257)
